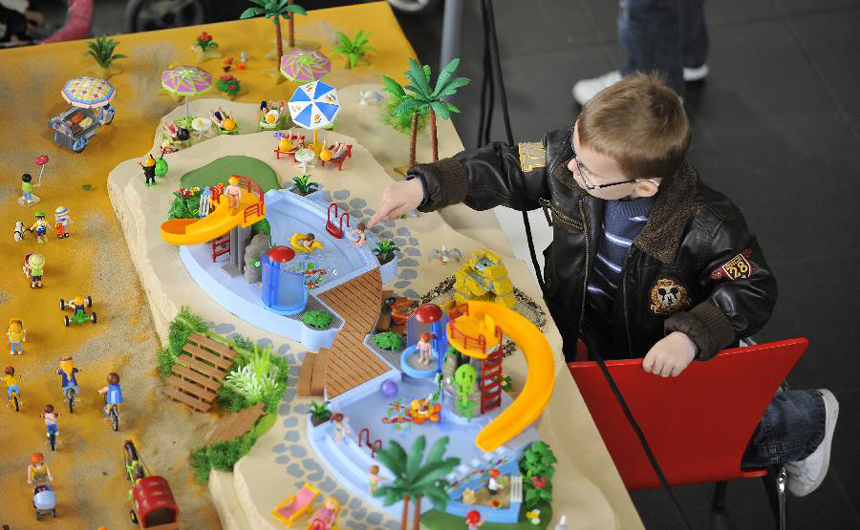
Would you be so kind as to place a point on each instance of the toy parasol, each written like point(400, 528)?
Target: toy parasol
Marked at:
point(88, 92)
point(314, 105)
point(186, 81)
point(305, 65)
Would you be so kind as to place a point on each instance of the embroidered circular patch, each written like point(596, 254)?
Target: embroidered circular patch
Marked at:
point(668, 296)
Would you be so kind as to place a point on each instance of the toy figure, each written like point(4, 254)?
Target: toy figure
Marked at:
point(474, 520)
point(67, 372)
point(61, 222)
point(18, 233)
point(308, 241)
point(223, 119)
point(35, 268)
point(11, 382)
point(27, 197)
point(425, 349)
point(495, 483)
point(41, 227)
point(17, 335)
point(233, 192)
point(444, 255)
point(469, 496)
point(50, 418)
point(175, 135)
point(373, 478)
point(38, 470)
point(148, 166)
point(324, 518)
point(271, 113)
point(112, 392)
point(357, 237)
point(340, 429)
point(243, 57)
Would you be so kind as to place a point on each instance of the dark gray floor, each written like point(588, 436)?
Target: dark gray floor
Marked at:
point(777, 129)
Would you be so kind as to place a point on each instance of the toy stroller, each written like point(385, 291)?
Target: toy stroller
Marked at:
point(44, 501)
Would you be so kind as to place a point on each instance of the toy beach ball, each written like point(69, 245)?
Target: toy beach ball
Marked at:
point(388, 389)
point(284, 145)
point(229, 124)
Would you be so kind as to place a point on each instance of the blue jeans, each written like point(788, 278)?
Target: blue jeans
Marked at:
point(790, 430)
point(663, 36)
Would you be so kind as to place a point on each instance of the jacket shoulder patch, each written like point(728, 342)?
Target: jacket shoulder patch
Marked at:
point(736, 268)
point(532, 155)
point(668, 296)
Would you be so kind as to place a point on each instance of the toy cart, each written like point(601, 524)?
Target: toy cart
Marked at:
point(89, 99)
point(44, 501)
point(152, 504)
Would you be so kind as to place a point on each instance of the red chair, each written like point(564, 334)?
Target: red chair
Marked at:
point(697, 424)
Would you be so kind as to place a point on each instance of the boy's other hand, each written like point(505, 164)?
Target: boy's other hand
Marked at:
point(670, 356)
point(398, 199)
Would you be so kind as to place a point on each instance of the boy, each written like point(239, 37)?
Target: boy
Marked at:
point(646, 261)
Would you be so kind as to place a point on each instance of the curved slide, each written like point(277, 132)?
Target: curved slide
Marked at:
point(217, 223)
point(540, 381)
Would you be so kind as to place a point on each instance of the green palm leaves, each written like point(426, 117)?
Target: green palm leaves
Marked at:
point(353, 49)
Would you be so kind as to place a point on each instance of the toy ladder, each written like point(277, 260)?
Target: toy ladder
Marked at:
point(220, 246)
point(491, 380)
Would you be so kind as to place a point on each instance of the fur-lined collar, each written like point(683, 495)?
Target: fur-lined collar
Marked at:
point(673, 207)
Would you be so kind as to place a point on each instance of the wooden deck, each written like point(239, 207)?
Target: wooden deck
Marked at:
point(349, 363)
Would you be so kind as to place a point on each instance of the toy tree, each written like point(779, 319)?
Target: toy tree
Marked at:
point(353, 49)
point(275, 9)
point(538, 466)
point(385, 251)
point(102, 50)
point(414, 480)
point(465, 379)
point(418, 98)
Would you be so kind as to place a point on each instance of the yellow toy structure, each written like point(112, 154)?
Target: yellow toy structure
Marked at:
point(484, 278)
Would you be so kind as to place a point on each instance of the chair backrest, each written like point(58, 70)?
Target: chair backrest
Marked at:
point(697, 424)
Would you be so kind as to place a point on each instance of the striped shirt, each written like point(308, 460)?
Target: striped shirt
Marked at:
point(622, 222)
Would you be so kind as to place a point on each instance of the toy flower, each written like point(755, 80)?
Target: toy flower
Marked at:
point(533, 516)
point(229, 85)
point(205, 42)
point(538, 482)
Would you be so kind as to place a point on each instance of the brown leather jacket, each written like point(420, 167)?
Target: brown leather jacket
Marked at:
point(694, 268)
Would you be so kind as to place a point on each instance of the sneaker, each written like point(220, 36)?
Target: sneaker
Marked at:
point(692, 75)
point(804, 476)
point(588, 88)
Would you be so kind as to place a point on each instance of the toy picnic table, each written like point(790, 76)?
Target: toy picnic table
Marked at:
point(587, 488)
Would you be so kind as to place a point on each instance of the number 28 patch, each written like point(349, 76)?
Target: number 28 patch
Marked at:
point(736, 268)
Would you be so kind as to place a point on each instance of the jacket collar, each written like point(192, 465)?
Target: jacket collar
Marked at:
point(673, 207)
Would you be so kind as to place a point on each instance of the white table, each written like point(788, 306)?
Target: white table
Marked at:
point(201, 126)
point(304, 156)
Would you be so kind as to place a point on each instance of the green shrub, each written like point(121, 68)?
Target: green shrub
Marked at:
point(400, 123)
point(166, 360)
point(184, 324)
point(256, 376)
point(538, 461)
point(389, 341)
point(184, 206)
point(220, 455)
point(262, 227)
point(317, 319)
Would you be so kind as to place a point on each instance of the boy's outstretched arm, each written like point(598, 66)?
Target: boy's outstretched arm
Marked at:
point(742, 291)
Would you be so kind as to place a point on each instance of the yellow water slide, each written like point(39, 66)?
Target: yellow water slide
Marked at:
point(217, 223)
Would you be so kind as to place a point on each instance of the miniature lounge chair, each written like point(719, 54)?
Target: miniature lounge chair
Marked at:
point(333, 523)
point(295, 505)
point(340, 159)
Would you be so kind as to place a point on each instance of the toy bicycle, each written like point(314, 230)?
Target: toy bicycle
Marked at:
point(79, 305)
point(15, 400)
point(69, 397)
point(111, 411)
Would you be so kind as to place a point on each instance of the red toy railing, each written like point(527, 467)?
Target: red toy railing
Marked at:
point(336, 231)
point(478, 343)
point(258, 208)
point(373, 446)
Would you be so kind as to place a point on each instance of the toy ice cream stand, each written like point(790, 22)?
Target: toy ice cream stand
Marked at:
point(89, 99)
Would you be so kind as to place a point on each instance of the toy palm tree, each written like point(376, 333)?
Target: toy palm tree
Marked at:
point(354, 49)
point(414, 480)
point(275, 9)
point(102, 50)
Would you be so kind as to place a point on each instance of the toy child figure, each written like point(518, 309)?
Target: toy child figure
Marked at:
point(495, 483)
point(112, 392)
point(38, 470)
point(677, 276)
point(425, 348)
point(233, 192)
point(11, 382)
point(67, 373)
point(474, 520)
point(148, 166)
point(373, 478)
point(50, 418)
point(27, 197)
point(340, 429)
point(78, 305)
point(41, 227)
point(324, 518)
point(308, 241)
point(35, 266)
point(61, 222)
point(17, 336)
point(357, 237)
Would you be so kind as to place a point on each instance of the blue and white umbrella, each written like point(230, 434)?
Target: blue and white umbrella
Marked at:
point(314, 105)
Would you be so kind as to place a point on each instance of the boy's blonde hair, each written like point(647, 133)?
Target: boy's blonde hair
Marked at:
point(640, 123)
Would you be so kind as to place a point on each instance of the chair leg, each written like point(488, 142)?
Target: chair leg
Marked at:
point(774, 483)
point(719, 502)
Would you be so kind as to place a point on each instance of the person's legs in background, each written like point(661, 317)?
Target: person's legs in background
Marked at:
point(797, 431)
point(694, 40)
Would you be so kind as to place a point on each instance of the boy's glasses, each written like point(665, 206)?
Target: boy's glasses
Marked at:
point(589, 185)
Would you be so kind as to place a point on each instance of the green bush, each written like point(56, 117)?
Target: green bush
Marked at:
point(262, 227)
point(166, 360)
point(256, 376)
point(389, 341)
point(317, 319)
point(538, 461)
point(400, 123)
point(184, 207)
point(220, 455)
point(185, 323)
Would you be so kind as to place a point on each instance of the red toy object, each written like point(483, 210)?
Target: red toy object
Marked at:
point(694, 437)
point(336, 231)
point(154, 504)
point(339, 160)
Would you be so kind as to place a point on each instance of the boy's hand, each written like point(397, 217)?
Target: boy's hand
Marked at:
point(397, 199)
point(670, 356)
